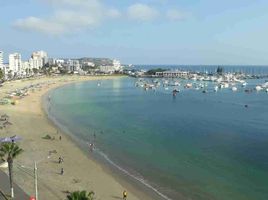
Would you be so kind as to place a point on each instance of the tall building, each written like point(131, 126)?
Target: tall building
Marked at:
point(72, 65)
point(38, 59)
point(117, 65)
point(1, 60)
point(15, 64)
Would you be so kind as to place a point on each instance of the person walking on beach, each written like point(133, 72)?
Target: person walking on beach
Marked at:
point(60, 160)
point(61, 171)
point(60, 137)
point(125, 195)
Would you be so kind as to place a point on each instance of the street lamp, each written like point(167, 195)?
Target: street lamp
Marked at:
point(35, 176)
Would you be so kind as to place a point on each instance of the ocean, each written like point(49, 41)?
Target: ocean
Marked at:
point(193, 146)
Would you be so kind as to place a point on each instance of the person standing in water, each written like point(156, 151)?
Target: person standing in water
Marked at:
point(125, 195)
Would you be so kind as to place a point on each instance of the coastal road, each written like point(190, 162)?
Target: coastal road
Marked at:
point(4, 186)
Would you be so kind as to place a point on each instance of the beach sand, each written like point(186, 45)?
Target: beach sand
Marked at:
point(80, 173)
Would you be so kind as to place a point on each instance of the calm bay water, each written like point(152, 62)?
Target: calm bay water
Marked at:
point(195, 146)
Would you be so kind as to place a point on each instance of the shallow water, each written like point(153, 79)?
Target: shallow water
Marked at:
point(195, 146)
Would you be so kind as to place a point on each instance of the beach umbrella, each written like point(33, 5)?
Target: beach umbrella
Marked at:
point(10, 139)
point(5, 116)
point(7, 123)
point(15, 138)
point(6, 139)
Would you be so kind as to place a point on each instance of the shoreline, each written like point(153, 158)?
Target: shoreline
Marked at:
point(82, 171)
point(134, 184)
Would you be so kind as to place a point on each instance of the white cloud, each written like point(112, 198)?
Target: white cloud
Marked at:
point(37, 24)
point(142, 12)
point(82, 14)
point(71, 16)
point(175, 15)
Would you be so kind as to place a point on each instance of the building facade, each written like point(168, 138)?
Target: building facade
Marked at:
point(117, 65)
point(38, 59)
point(15, 64)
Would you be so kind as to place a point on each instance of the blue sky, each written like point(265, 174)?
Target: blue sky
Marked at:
point(139, 32)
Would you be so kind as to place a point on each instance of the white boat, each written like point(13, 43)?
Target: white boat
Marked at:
point(234, 89)
point(258, 88)
point(176, 83)
point(188, 85)
point(166, 88)
point(244, 84)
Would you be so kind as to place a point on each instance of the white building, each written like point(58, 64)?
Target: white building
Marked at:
point(27, 68)
point(38, 59)
point(73, 65)
point(117, 65)
point(15, 64)
point(1, 60)
point(89, 64)
point(107, 69)
point(59, 61)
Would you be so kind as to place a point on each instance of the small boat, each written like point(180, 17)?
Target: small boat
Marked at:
point(244, 84)
point(258, 88)
point(234, 89)
point(226, 85)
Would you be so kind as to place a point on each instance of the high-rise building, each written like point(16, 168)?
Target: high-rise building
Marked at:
point(117, 65)
point(38, 59)
point(1, 60)
point(15, 64)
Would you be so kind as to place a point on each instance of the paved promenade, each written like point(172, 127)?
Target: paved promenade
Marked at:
point(4, 186)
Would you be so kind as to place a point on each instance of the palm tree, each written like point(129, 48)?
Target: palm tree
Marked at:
point(9, 151)
point(81, 195)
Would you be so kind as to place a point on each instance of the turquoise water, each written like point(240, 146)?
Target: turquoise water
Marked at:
point(195, 146)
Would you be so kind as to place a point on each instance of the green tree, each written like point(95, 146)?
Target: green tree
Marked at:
point(80, 195)
point(35, 70)
point(1, 74)
point(153, 71)
point(8, 152)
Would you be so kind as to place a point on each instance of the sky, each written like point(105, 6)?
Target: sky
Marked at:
point(208, 32)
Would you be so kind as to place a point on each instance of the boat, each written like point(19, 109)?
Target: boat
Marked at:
point(234, 89)
point(244, 84)
point(226, 85)
point(258, 88)
point(188, 85)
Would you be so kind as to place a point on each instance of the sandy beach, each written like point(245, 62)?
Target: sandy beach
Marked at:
point(80, 172)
